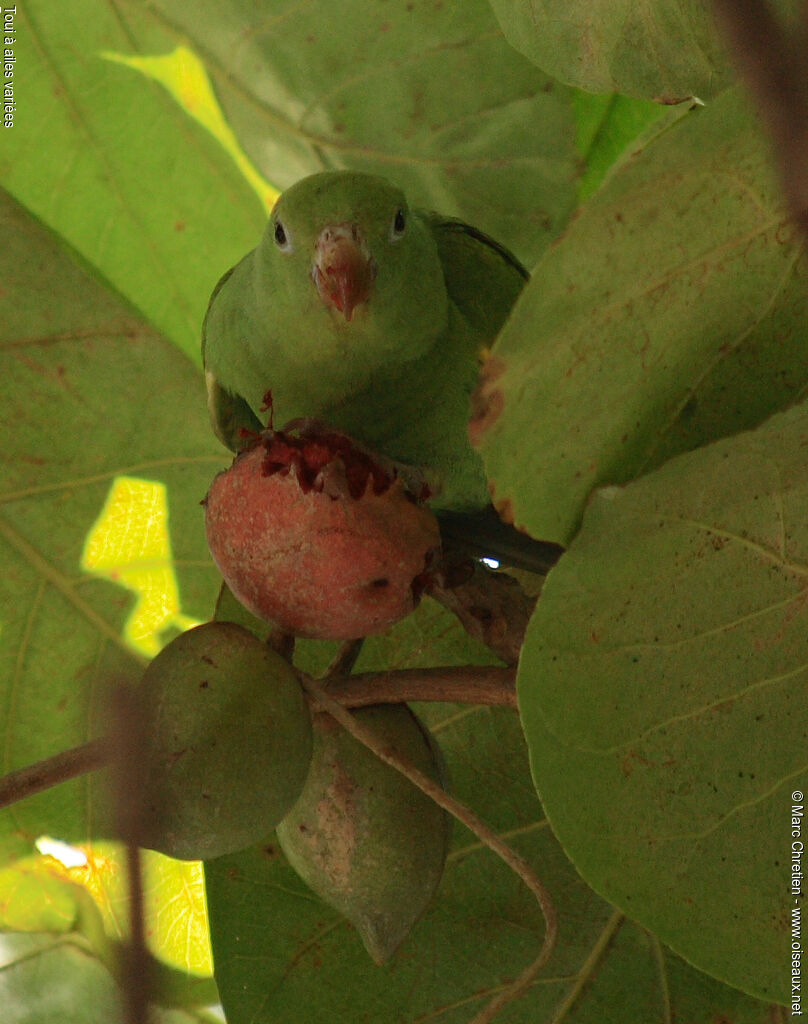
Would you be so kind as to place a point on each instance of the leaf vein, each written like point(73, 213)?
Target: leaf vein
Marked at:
point(760, 549)
point(588, 967)
point(55, 578)
point(722, 353)
point(110, 474)
point(83, 128)
point(802, 770)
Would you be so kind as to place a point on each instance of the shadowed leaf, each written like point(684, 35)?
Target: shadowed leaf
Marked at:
point(662, 687)
point(670, 314)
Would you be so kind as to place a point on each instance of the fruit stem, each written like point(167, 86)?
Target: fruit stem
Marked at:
point(344, 660)
point(472, 822)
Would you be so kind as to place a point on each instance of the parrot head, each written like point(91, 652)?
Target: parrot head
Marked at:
point(348, 245)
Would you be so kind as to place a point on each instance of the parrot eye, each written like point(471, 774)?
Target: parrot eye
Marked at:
point(398, 225)
point(281, 238)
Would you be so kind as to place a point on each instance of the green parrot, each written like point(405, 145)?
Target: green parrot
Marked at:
point(357, 310)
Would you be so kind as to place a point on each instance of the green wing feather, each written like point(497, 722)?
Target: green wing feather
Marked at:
point(483, 278)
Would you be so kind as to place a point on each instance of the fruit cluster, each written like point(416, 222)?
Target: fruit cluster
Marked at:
point(234, 751)
point(317, 536)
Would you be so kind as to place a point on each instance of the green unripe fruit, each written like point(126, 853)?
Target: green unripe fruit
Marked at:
point(229, 742)
point(361, 835)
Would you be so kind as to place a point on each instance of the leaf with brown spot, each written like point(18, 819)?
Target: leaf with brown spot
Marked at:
point(670, 314)
point(487, 401)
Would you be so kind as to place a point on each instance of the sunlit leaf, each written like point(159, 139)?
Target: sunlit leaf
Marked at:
point(130, 545)
point(184, 75)
point(111, 163)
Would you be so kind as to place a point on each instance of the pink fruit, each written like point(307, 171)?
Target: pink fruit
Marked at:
point(313, 533)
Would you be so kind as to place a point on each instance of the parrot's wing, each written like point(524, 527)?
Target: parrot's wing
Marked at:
point(214, 294)
point(231, 417)
point(233, 421)
point(483, 278)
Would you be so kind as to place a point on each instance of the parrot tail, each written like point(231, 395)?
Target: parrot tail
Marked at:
point(483, 535)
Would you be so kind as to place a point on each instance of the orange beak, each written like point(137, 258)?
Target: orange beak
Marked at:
point(342, 271)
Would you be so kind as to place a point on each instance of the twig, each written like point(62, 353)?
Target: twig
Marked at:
point(466, 684)
point(773, 67)
point(468, 818)
point(135, 973)
point(129, 741)
point(50, 772)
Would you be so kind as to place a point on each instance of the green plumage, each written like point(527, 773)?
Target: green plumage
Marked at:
point(396, 372)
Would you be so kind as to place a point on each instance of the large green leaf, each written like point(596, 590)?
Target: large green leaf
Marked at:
point(48, 978)
point(282, 955)
point(92, 395)
point(662, 688)
point(106, 445)
point(109, 162)
point(671, 313)
point(421, 93)
point(664, 50)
